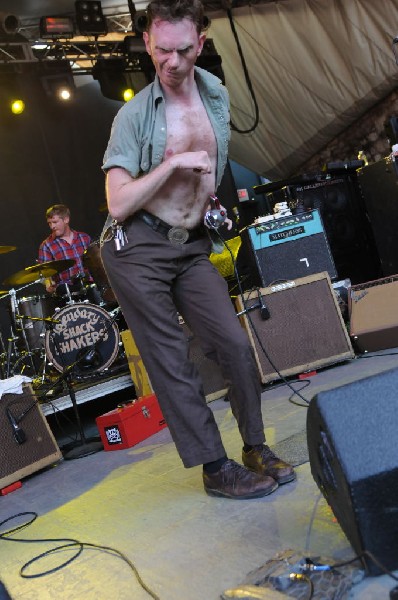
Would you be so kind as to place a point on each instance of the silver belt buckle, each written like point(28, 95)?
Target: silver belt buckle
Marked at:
point(178, 235)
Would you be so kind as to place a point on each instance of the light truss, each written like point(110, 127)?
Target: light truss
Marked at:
point(83, 52)
point(16, 52)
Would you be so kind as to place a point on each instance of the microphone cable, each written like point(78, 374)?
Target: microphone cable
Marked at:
point(66, 544)
point(253, 328)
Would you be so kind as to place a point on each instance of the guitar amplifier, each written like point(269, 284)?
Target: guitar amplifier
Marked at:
point(289, 248)
point(39, 448)
point(373, 314)
point(304, 329)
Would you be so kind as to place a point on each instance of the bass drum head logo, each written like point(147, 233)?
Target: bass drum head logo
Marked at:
point(83, 334)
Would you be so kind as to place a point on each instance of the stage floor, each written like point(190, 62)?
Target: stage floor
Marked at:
point(185, 545)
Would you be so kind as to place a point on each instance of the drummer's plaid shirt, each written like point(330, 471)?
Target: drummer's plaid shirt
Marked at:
point(54, 248)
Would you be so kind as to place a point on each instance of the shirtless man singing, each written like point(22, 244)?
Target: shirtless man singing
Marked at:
point(164, 161)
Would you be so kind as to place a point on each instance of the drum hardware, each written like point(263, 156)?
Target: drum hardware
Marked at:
point(26, 324)
point(2, 358)
point(6, 249)
point(29, 276)
point(43, 319)
point(74, 291)
point(24, 354)
point(68, 293)
point(13, 339)
point(24, 361)
point(93, 263)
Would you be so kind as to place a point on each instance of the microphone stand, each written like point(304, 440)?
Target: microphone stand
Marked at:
point(84, 446)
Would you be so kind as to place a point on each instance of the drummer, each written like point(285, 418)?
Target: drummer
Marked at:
point(64, 243)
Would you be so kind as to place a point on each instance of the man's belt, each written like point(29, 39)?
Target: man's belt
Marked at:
point(176, 235)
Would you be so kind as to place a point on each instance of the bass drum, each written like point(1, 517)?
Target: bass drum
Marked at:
point(101, 293)
point(83, 334)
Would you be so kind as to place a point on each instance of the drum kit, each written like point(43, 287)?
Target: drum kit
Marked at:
point(76, 328)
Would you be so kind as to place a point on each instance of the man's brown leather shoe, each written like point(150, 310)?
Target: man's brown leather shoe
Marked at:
point(263, 461)
point(235, 481)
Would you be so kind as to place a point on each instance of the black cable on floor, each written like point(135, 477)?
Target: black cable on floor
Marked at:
point(357, 558)
point(69, 543)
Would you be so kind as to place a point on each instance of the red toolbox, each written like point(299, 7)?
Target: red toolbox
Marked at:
point(130, 423)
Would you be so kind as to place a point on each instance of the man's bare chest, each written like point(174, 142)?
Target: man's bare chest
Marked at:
point(189, 129)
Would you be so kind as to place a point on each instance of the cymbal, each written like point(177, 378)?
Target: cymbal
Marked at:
point(46, 269)
point(5, 249)
point(55, 266)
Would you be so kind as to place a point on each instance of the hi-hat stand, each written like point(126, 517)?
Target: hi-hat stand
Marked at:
point(17, 324)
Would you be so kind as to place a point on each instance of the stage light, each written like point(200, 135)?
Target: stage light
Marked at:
point(17, 106)
point(133, 43)
point(56, 28)
point(140, 63)
point(210, 60)
point(9, 24)
point(140, 22)
point(58, 87)
point(90, 18)
point(57, 80)
point(119, 79)
point(64, 93)
point(110, 74)
point(11, 92)
point(128, 93)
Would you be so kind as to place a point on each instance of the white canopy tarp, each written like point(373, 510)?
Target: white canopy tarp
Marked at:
point(315, 65)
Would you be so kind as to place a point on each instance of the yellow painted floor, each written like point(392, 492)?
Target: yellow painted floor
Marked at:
point(185, 545)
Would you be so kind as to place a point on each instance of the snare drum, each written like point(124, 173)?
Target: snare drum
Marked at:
point(39, 307)
point(93, 262)
point(77, 328)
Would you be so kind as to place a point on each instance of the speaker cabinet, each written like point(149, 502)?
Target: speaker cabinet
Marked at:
point(305, 329)
point(379, 186)
point(290, 247)
point(351, 432)
point(39, 448)
point(346, 224)
point(373, 314)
